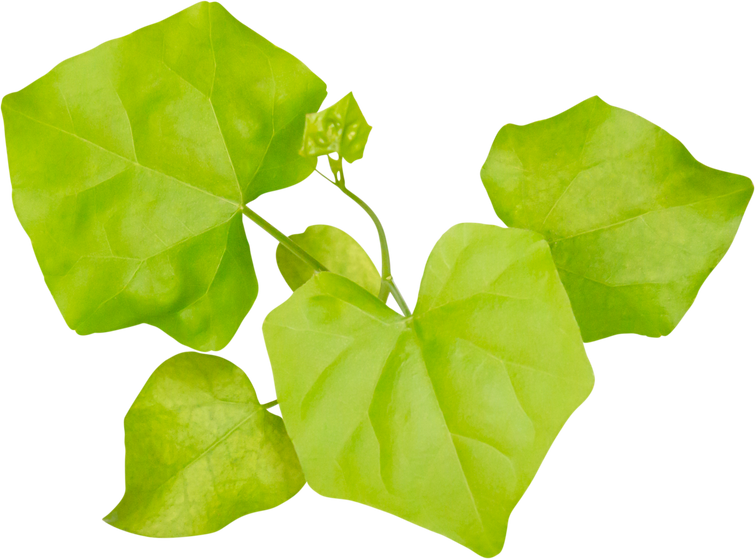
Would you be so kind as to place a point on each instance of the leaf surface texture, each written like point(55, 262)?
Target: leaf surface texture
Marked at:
point(634, 222)
point(130, 164)
point(442, 418)
point(201, 451)
point(341, 129)
point(336, 250)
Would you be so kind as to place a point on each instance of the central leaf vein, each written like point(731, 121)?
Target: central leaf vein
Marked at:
point(272, 119)
point(119, 156)
point(448, 430)
point(659, 210)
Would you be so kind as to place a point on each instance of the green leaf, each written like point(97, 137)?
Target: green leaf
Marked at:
point(335, 249)
point(635, 223)
point(201, 451)
point(442, 418)
point(130, 164)
point(339, 129)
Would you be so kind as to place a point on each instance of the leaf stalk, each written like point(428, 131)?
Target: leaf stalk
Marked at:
point(387, 285)
point(284, 240)
point(397, 295)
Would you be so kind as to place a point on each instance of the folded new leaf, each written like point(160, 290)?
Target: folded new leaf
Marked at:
point(336, 250)
point(442, 418)
point(341, 129)
point(130, 164)
point(635, 223)
point(201, 451)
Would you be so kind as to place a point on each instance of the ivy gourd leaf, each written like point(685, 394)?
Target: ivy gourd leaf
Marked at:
point(635, 223)
point(337, 250)
point(201, 451)
point(442, 418)
point(341, 129)
point(130, 164)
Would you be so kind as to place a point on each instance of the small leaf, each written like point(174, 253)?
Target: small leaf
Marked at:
point(339, 129)
point(337, 250)
point(130, 164)
point(635, 223)
point(442, 418)
point(201, 451)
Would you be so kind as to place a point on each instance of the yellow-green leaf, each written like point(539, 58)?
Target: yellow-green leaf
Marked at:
point(201, 451)
point(130, 164)
point(341, 129)
point(336, 250)
point(635, 223)
point(442, 418)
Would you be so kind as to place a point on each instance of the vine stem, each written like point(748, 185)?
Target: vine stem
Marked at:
point(285, 241)
point(388, 284)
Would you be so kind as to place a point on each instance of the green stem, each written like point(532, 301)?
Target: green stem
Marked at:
point(270, 403)
point(397, 295)
point(285, 241)
point(387, 285)
point(336, 166)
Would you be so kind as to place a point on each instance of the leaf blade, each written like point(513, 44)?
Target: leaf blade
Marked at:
point(338, 252)
point(448, 413)
point(201, 451)
point(635, 223)
point(130, 162)
point(341, 129)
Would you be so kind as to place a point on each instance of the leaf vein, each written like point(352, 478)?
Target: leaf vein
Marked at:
point(272, 117)
point(130, 127)
point(627, 284)
point(504, 364)
point(579, 159)
point(543, 372)
point(469, 298)
point(210, 448)
point(450, 437)
point(660, 210)
point(475, 439)
point(212, 48)
point(119, 156)
point(121, 290)
point(322, 377)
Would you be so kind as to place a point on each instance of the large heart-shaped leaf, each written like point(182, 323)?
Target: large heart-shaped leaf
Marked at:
point(442, 418)
point(635, 223)
point(130, 164)
point(201, 451)
point(337, 251)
